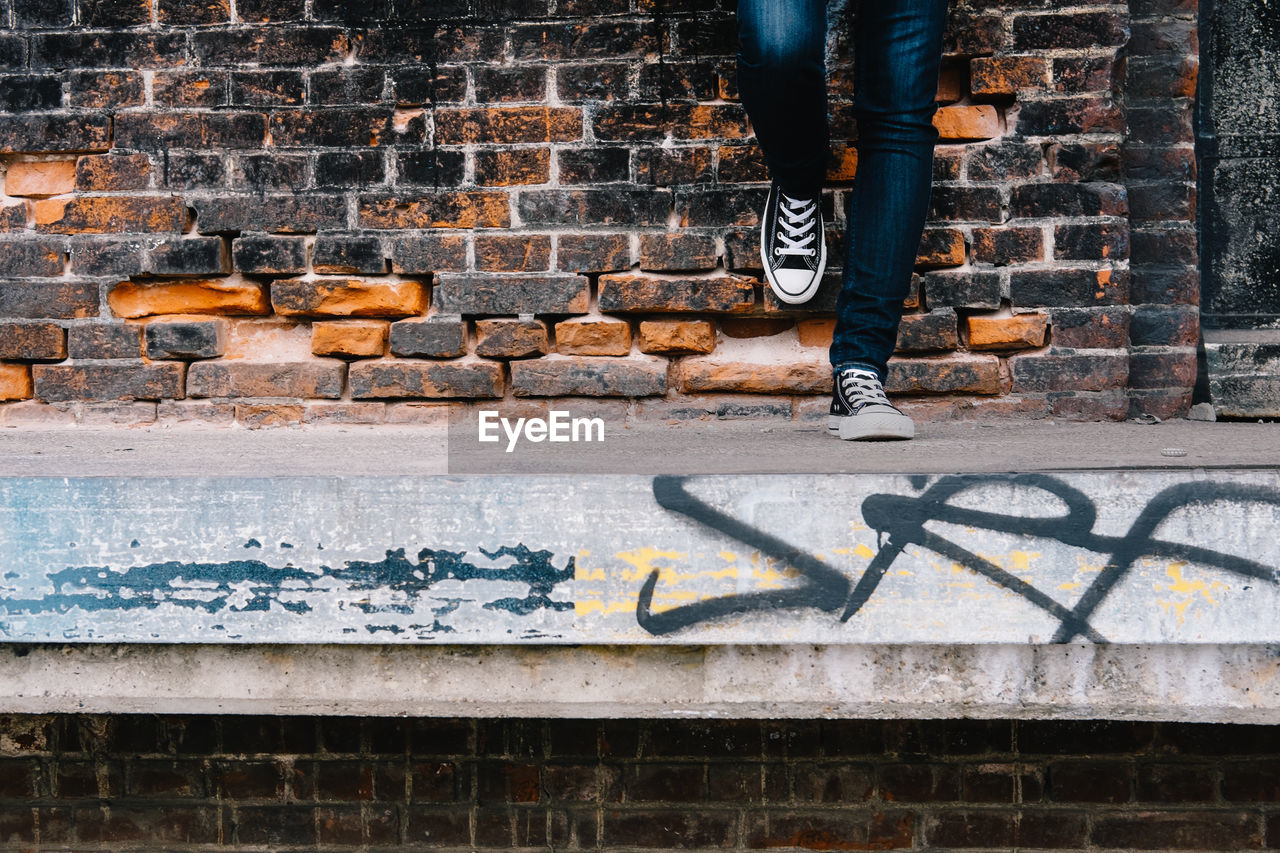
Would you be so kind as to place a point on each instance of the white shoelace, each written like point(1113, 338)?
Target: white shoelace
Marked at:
point(862, 386)
point(797, 218)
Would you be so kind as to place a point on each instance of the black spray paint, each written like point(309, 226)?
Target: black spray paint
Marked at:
point(899, 522)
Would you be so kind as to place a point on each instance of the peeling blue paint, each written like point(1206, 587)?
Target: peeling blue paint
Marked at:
point(247, 586)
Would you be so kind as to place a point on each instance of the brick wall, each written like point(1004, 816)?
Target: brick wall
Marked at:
point(134, 782)
point(275, 211)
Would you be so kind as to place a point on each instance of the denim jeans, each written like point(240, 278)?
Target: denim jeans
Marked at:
point(782, 83)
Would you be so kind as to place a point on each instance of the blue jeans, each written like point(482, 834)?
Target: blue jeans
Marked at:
point(782, 83)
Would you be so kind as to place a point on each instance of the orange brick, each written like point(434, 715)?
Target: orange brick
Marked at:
point(593, 336)
point(1017, 332)
point(40, 177)
point(843, 164)
point(816, 332)
point(137, 299)
point(352, 338)
point(15, 381)
point(967, 122)
point(677, 336)
point(345, 297)
point(711, 374)
point(103, 214)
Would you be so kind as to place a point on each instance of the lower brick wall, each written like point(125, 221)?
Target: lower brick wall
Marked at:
point(145, 782)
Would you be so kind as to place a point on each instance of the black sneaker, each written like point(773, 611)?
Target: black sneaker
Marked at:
point(793, 250)
point(860, 411)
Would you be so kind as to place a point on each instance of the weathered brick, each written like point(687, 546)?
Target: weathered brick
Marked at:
point(1007, 75)
point(718, 373)
point(439, 336)
point(221, 296)
point(434, 168)
point(15, 381)
point(1190, 830)
point(107, 381)
point(13, 217)
point(1089, 328)
point(54, 299)
point(103, 172)
point(513, 294)
point(41, 132)
point(385, 378)
point(830, 830)
point(33, 342)
point(240, 378)
point(1100, 241)
point(1069, 29)
point(629, 292)
point(676, 336)
point(507, 125)
point(593, 252)
point(1163, 368)
point(1018, 331)
point(570, 376)
point(104, 214)
point(1087, 114)
point(594, 165)
point(940, 247)
point(593, 336)
point(334, 253)
point(976, 290)
point(418, 254)
point(33, 258)
point(1068, 287)
point(635, 122)
point(349, 338)
point(504, 168)
point(580, 207)
point(346, 297)
point(180, 338)
point(1057, 372)
point(266, 254)
point(1160, 325)
point(189, 256)
point(934, 330)
point(513, 252)
point(105, 340)
point(298, 212)
point(511, 338)
point(475, 209)
point(978, 374)
point(677, 252)
point(1004, 246)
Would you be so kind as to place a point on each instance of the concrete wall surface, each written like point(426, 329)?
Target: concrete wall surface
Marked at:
point(1106, 556)
point(1080, 681)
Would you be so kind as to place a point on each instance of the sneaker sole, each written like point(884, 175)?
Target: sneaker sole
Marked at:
point(806, 294)
point(872, 427)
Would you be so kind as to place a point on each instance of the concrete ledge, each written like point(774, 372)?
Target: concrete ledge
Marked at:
point(1235, 684)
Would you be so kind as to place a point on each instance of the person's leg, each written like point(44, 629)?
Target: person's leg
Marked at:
point(782, 84)
point(898, 51)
